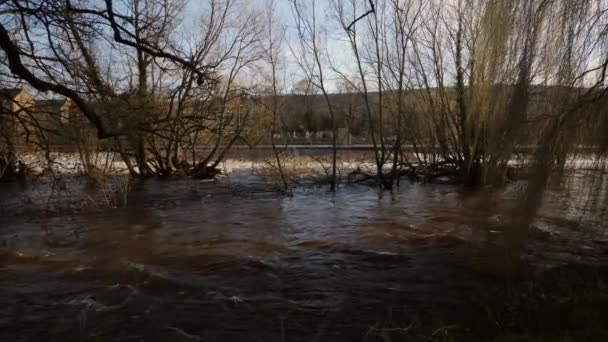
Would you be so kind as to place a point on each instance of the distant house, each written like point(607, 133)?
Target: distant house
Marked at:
point(25, 120)
point(14, 100)
point(61, 109)
point(14, 104)
point(54, 120)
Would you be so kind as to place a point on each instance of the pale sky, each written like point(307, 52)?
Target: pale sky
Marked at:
point(339, 51)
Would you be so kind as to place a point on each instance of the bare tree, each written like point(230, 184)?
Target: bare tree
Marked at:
point(310, 58)
point(368, 61)
point(274, 41)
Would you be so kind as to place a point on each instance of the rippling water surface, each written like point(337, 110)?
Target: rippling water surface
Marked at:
point(218, 262)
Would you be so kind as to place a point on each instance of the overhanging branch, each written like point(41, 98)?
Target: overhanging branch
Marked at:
point(17, 68)
point(148, 48)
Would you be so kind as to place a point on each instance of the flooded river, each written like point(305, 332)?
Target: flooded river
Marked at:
point(232, 261)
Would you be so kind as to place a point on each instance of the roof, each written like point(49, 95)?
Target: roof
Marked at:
point(50, 106)
point(10, 92)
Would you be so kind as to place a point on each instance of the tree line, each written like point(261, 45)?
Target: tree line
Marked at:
point(465, 82)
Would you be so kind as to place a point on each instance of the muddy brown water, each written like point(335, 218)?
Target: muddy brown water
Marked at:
point(235, 261)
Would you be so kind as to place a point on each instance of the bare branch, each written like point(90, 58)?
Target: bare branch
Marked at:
point(370, 11)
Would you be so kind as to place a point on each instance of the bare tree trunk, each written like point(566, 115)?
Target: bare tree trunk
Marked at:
point(469, 167)
point(8, 166)
point(272, 55)
point(8, 153)
point(310, 42)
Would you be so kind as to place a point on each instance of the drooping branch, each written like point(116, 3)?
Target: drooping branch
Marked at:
point(16, 56)
point(17, 68)
point(142, 45)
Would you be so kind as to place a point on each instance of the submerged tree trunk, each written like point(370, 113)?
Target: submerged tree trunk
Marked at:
point(469, 168)
point(140, 157)
point(8, 166)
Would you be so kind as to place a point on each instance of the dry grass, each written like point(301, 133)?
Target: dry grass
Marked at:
point(302, 170)
point(112, 193)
